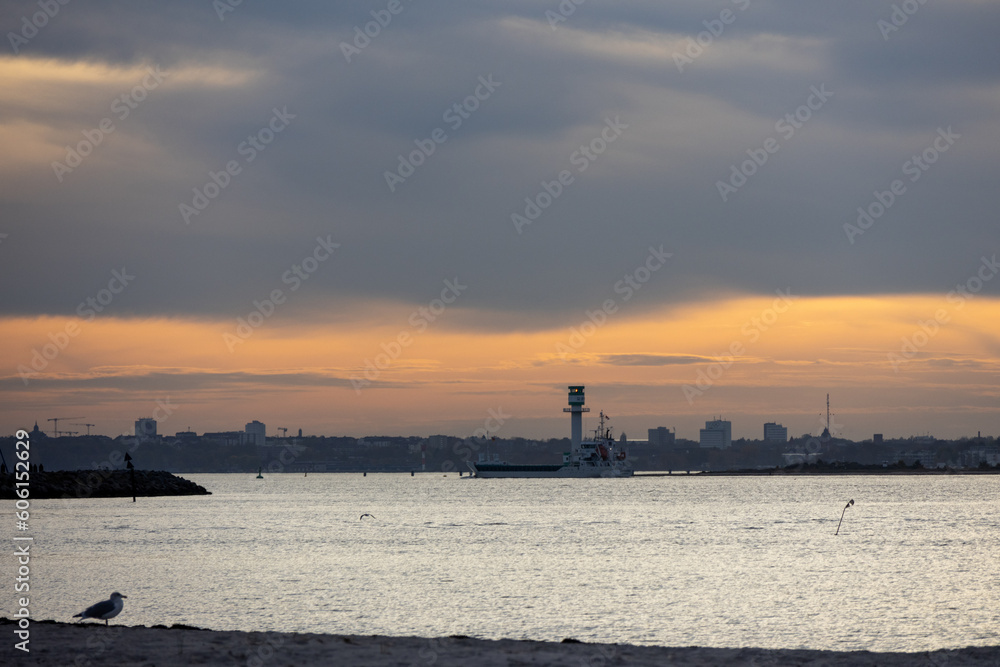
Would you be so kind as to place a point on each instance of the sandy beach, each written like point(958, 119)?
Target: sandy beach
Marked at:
point(91, 643)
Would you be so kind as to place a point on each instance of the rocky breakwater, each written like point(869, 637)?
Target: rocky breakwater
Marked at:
point(101, 484)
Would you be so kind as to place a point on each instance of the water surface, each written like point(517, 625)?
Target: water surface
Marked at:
point(678, 561)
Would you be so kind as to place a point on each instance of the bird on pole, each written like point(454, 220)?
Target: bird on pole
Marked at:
point(849, 503)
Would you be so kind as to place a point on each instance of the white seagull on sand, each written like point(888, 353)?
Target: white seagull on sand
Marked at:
point(104, 610)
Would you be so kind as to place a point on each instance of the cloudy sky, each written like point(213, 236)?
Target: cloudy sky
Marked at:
point(394, 217)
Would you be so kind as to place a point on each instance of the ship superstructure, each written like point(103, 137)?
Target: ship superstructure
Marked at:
point(599, 456)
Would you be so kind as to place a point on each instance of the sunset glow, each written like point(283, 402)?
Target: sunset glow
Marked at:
point(738, 357)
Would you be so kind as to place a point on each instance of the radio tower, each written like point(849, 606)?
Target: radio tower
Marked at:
point(826, 431)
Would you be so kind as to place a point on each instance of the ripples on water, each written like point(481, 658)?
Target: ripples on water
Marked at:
point(677, 561)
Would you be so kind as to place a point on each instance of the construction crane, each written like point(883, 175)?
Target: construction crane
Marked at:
point(284, 431)
point(55, 424)
point(87, 425)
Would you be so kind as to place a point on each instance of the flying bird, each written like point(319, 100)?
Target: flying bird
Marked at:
point(364, 515)
point(104, 610)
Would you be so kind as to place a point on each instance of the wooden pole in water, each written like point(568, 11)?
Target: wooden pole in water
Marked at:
point(849, 503)
point(131, 470)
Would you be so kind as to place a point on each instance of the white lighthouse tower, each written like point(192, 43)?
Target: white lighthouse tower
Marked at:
point(576, 411)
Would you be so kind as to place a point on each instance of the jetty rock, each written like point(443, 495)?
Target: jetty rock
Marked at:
point(101, 484)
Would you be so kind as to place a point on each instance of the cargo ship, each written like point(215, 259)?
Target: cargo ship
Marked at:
point(596, 457)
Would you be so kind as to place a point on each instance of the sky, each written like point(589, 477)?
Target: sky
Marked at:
point(409, 218)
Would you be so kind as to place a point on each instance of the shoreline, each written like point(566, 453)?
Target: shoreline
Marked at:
point(54, 642)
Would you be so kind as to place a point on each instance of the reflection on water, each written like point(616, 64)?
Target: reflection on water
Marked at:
point(738, 561)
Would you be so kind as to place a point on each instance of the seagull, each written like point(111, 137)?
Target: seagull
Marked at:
point(104, 610)
point(364, 515)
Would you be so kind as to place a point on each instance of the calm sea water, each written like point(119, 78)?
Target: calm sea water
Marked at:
point(676, 561)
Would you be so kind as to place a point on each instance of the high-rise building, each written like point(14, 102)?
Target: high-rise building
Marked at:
point(145, 427)
point(775, 432)
point(717, 433)
point(255, 433)
point(662, 436)
point(438, 441)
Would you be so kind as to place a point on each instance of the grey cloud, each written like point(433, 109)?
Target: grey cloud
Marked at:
point(657, 184)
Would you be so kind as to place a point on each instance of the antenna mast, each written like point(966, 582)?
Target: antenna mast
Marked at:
point(826, 430)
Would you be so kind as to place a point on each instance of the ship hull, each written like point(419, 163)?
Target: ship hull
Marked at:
point(512, 470)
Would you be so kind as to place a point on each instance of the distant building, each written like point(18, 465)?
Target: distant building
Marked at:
point(379, 443)
point(976, 456)
point(438, 442)
point(226, 438)
point(255, 433)
point(662, 436)
point(775, 432)
point(717, 433)
point(145, 427)
point(925, 457)
point(877, 439)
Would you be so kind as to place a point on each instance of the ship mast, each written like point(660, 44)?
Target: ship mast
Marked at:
point(601, 432)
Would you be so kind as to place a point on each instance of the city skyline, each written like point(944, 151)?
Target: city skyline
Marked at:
point(360, 220)
point(496, 419)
